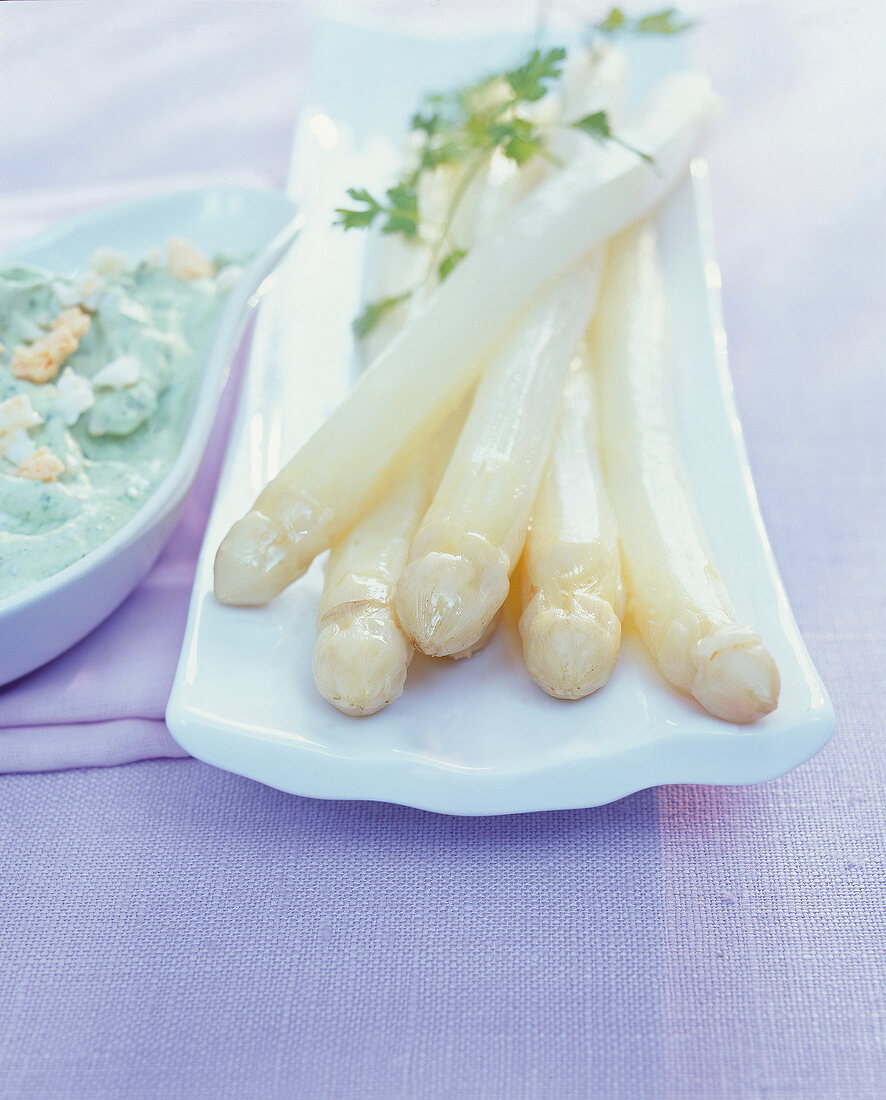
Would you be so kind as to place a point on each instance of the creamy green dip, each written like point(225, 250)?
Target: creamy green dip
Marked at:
point(153, 329)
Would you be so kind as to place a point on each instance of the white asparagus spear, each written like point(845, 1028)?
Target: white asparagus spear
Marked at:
point(361, 655)
point(570, 572)
point(572, 591)
point(463, 554)
point(346, 465)
point(677, 598)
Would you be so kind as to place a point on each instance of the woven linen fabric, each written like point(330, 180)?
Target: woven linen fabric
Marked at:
point(171, 931)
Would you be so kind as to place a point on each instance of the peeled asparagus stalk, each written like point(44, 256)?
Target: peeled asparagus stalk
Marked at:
point(591, 85)
point(415, 382)
point(570, 572)
point(361, 655)
point(678, 599)
point(573, 596)
point(469, 541)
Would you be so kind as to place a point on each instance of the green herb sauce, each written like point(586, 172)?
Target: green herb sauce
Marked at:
point(119, 448)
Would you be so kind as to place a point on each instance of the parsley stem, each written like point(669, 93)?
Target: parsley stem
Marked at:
point(464, 183)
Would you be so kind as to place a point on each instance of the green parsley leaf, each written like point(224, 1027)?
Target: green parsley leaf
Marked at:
point(614, 21)
point(429, 123)
point(666, 21)
point(448, 263)
point(358, 219)
point(402, 211)
point(596, 125)
point(528, 81)
point(374, 312)
point(669, 21)
point(519, 139)
point(441, 152)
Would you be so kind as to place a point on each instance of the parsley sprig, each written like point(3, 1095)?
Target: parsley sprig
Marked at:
point(465, 128)
point(398, 210)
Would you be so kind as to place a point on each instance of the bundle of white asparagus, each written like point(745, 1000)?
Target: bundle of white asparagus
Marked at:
point(470, 446)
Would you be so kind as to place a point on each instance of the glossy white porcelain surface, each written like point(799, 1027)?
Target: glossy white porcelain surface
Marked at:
point(477, 736)
point(46, 619)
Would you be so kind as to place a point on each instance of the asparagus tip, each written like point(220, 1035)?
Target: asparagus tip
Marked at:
point(253, 563)
point(737, 680)
point(446, 601)
point(570, 652)
point(360, 666)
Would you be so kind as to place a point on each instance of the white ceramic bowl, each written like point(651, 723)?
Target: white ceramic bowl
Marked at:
point(49, 617)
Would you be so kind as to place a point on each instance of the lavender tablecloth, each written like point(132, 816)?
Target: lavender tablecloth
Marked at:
point(168, 930)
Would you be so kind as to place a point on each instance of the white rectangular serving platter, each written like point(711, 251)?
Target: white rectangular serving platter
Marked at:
point(476, 736)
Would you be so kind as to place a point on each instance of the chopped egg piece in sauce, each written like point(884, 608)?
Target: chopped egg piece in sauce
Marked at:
point(121, 372)
point(187, 262)
point(42, 465)
point(40, 360)
point(74, 396)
